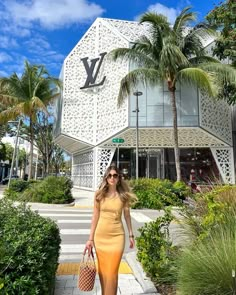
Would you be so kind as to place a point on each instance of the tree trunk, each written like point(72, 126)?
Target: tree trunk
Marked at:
point(175, 130)
point(31, 150)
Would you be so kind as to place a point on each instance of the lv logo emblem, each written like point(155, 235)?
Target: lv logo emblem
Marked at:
point(91, 75)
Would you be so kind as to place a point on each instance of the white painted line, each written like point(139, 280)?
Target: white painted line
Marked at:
point(65, 210)
point(74, 257)
point(73, 221)
point(72, 248)
point(140, 217)
point(75, 231)
point(65, 215)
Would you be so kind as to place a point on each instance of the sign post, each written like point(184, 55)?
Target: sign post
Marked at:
point(118, 141)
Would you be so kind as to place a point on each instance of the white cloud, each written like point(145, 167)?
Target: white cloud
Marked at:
point(170, 13)
point(4, 57)
point(52, 14)
point(3, 74)
point(7, 42)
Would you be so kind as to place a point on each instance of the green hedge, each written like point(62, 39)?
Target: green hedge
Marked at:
point(156, 252)
point(157, 193)
point(30, 244)
point(52, 190)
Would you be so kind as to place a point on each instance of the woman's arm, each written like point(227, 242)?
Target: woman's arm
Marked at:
point(129, 226)
point(94, 222)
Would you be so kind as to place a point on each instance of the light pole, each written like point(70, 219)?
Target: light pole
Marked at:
point(137, 94)
point(14, 151)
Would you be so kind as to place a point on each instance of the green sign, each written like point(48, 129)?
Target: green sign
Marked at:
point(118, 140)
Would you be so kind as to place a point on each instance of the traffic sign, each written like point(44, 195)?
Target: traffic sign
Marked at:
point(118, 140)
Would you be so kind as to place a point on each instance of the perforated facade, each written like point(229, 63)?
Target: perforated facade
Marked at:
point(88, 116)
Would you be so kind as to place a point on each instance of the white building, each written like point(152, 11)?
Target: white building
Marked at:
point(88, 117)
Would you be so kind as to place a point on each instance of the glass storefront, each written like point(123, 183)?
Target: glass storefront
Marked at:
point(197, 164)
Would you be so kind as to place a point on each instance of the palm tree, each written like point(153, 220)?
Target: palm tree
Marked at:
point(172, 54)
point(27, 95)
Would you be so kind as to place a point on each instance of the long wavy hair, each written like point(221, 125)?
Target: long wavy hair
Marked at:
point(123, 189)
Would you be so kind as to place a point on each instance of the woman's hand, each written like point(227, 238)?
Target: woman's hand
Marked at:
point(89, 246)
point(131, 242)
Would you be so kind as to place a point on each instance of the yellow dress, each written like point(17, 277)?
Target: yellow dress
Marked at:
point(109, 242)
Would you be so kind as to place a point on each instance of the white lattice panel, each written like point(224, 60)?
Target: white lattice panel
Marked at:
point(109, 118)
point(225, 161)
point(130, 30)
point(163, 137)
point(103, 160)
point(215, 116)
point(91, 115)
point(82, 170)
point(78, 106)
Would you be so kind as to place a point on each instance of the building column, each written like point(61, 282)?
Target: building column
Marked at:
point(224, 159)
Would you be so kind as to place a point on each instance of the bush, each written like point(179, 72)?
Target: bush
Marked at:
point(210, 209)
point(156, 252)
point(19, 185)
point(52, 190)
point(157, 193)
point(208, 267)
point(31, 249)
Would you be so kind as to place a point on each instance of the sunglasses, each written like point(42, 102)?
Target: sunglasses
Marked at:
point(115, 176)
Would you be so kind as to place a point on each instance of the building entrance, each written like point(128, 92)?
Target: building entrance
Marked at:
point(151, 163)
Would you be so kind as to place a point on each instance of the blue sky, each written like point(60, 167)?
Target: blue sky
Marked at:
point(45, 31)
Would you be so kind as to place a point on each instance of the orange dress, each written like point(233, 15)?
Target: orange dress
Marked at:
point(109, 240)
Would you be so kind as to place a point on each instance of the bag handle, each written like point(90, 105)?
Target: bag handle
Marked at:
point(91, 252)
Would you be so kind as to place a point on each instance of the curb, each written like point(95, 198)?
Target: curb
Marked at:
point(145, 282)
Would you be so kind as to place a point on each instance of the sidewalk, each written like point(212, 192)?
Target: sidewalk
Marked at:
point(130, 282)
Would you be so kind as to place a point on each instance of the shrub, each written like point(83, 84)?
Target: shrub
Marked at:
point(210, 209)
point(209, 266)
point(53, 190)
point(31, 249)
point(157, 193)
point(156, 252)
point(19, 185)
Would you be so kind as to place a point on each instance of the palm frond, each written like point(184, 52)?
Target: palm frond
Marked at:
point(37, 104)
point(224, 72)
point(134, 78)
point(203, 59)
point(10, 114)
point(181, 21)
point(171, 59)
point(200, 78)
point(129, 54)
point(159, 27)
point(8, 100)
point(156, 20)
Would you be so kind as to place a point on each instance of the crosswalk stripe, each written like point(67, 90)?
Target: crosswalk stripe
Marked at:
point(73, 257)
point(75, 231)
point(140, 217)
point(74, 221)
point(64, 210)
point(72, 248)
point(65, 215)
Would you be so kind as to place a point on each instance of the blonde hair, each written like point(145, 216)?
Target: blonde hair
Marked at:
point(123, 189)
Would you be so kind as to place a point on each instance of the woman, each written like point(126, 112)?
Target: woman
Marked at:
point(107, 232)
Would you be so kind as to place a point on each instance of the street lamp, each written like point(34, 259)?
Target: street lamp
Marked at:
point(137, 94)
point(14, 151)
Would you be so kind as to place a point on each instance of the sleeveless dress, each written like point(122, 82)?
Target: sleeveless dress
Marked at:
point(109, 240)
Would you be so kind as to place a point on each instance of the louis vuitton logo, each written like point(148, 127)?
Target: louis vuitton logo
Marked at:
point(91, 75)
